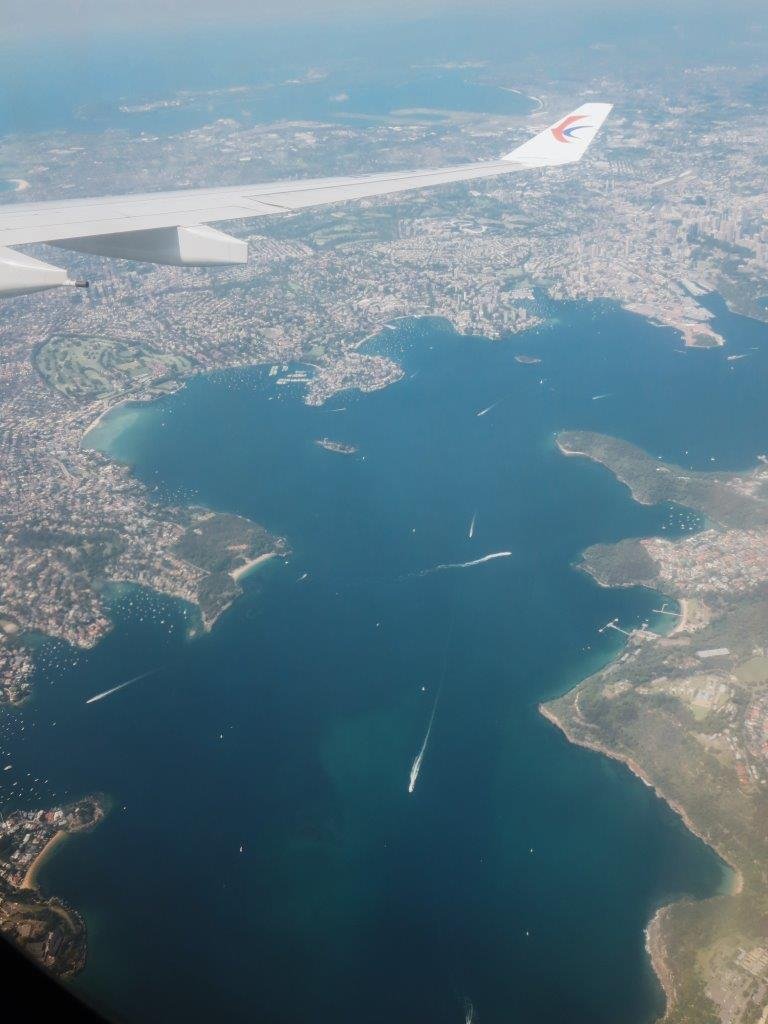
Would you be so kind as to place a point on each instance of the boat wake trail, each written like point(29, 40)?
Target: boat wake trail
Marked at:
point(417, 761)
point(122, 686)
point(416, 766)
point(472, 526)
point(458, 565)
point(488, 409)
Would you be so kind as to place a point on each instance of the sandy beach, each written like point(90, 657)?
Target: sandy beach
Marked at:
point(248, 567)
point(114, 402)
point(572, 451)
point(102, 415)
point(681, 625)
point(30, 879)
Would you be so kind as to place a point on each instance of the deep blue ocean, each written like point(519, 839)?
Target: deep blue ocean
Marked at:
point(264, 860)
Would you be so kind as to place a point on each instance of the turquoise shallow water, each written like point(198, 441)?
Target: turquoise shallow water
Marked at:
point(521, 872)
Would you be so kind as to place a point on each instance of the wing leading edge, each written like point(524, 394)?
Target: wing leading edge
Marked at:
point(170, 227)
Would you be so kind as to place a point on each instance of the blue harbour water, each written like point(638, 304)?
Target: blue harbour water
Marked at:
point(264, 860)
point(92, 89)
point(78, 80)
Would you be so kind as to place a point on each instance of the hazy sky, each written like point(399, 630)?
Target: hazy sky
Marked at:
point(64, 15)
point(73, 17)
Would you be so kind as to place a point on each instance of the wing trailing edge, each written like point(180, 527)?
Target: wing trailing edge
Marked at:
point(171, 227)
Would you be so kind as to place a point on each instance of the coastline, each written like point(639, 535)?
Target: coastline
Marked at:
point(133, 404)
point(654, 932)
point(655, 929)
point(30, 879)
point(245, 570)
point(45, 927)
point(568, 452)
point(681, 626)
point(101, 416)
point(572, 451)
point(738, 880)
point(691, 331)
point(130, 399)
point(686, 940)
point(657, 952)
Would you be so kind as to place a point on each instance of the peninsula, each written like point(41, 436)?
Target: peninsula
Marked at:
point(44, 927)
point(688, 713)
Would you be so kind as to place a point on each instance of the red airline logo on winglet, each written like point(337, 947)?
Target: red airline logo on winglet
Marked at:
point(565, 131)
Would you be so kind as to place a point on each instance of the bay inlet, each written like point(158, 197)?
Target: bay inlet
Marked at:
point(521, 873)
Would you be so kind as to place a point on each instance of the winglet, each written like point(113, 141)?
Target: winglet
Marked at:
point(566, 140)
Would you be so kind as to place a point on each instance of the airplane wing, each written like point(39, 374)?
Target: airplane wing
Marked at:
point(172, 227)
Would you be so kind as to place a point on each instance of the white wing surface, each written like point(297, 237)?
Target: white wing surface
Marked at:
point(170, 227)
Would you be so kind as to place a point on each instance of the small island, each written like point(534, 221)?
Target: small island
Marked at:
point(336, 446)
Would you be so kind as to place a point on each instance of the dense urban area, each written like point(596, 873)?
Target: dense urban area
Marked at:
point(667, 208)
point(650, 229)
